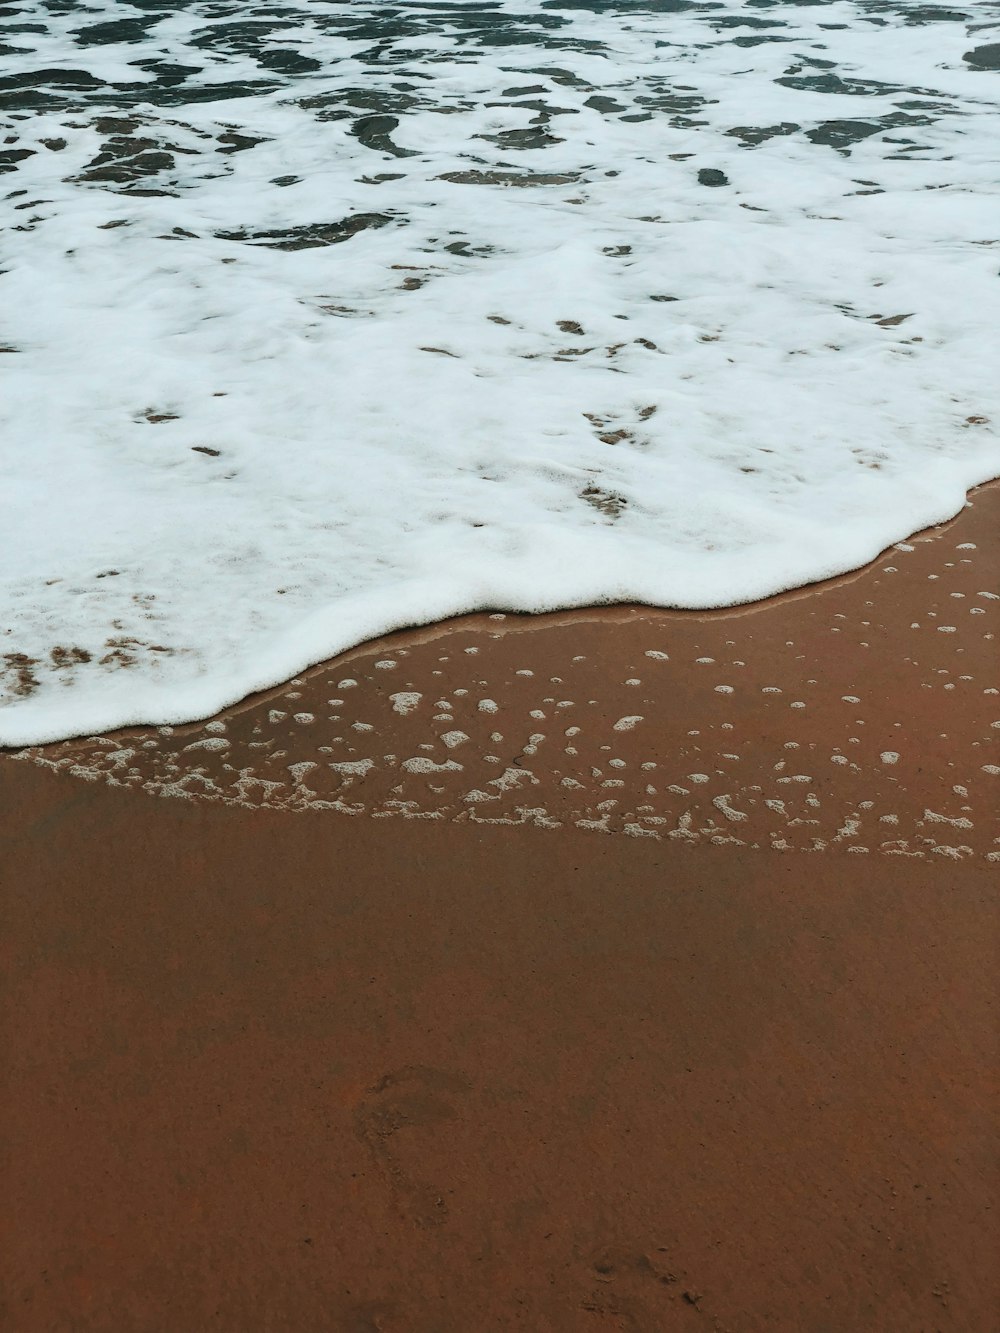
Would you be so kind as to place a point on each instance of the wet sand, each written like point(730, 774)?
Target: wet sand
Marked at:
point(618, 969)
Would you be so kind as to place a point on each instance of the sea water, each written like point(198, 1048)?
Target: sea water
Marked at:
point(323, 317)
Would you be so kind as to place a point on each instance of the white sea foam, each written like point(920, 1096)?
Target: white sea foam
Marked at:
point(327, 319)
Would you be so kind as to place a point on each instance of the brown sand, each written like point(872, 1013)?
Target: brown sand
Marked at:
point(274, 1068)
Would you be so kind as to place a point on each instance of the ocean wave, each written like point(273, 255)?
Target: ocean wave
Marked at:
point(321, 319)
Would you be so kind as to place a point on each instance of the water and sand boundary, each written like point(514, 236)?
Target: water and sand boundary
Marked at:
point(610, 969)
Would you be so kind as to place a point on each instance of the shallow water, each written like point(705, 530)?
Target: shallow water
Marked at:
point(323, 318)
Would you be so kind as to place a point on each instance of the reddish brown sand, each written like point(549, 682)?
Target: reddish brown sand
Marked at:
point(475, 1059)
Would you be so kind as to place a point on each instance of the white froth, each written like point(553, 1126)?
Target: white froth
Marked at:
point(353, 767)
point(405, 701)
point(452, 739)
point(653, 313)
point(421, 764)
point(627, 723)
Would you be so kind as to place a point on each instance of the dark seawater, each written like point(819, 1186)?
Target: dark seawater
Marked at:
point(62, 46)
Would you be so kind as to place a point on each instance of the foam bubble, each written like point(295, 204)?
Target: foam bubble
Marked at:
point(626, 723)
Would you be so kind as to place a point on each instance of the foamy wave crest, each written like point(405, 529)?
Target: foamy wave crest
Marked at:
point(322, 319)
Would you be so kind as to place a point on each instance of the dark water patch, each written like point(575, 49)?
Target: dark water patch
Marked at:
point(562, 78)
point(375, 132)
point(491, 7)
point(345, 103)
point(984, 57)
point(726, 21)
point(527, 38)
point(919, 15)
point(923, 104)
point(751, 136)
point(544, 110)
point(125, 162)
point(502, 26)
point(173, 6)
point(172, 86)
point(312, 235)
point(521, 140)
point(520, 179)
point(234, 142)
point(479, 24)
point(172, 91)
point(832, 84)
point(288, 62)
point(680, 106)
point(116, 30)
point(167, 75)
point(628, 7)
point(9, 157)
point(607, 106)
point(466, 250)
point(135, 150)
point(842, 134)
point(244, 37)
point(43, 89)
point(758, 40)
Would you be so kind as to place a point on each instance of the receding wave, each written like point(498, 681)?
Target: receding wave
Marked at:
point(318, 319)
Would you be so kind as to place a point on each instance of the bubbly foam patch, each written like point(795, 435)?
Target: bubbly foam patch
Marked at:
point(322, 319)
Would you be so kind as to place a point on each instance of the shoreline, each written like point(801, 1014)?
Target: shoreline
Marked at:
point(124, 650)
point(791, 723)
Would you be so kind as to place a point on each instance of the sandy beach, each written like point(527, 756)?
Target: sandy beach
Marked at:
point(614, 969)
point(574, 965)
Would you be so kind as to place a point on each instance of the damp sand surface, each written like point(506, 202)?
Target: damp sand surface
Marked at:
point(299, 1035)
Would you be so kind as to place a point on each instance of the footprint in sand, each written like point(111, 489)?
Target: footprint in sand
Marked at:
point(368, 1317)
point(390, 1121)
point(632, 1290)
